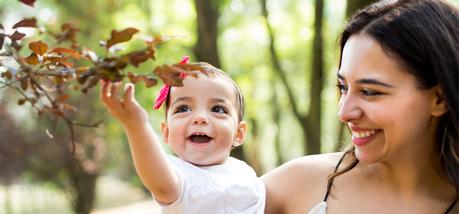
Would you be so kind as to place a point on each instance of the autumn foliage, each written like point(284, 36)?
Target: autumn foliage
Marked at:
point(49, 71)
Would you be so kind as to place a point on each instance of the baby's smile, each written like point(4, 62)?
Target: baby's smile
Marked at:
point(200, 138)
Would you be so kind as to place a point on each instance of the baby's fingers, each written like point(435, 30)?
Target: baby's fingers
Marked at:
point(103, 91)
point(109, 96)
point(128, 93)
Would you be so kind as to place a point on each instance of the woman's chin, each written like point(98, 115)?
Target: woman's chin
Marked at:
point(364, 156)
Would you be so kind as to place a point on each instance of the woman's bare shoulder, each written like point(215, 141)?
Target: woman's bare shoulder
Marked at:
point(308, 165)
point(299, 182)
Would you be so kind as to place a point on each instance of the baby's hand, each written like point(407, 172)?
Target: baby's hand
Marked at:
point(127, 110)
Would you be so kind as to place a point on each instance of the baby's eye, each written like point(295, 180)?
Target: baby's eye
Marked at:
point(342, 88)
point(182, 108)
point(219, 109)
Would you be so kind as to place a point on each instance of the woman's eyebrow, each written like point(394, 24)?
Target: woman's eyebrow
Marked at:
point(374, 82)
point(368, 81)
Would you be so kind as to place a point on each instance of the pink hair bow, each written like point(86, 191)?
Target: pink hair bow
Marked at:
point(164, 91)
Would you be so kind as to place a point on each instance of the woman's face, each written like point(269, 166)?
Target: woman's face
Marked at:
point(389, 116)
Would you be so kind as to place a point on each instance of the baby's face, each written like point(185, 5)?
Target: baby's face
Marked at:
point(202, 123)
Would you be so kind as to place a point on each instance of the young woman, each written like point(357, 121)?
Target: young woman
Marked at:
point(399, 96)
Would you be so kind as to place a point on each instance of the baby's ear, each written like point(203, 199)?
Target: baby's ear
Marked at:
point(241, 132)
point(440, 106)
point(165, 132)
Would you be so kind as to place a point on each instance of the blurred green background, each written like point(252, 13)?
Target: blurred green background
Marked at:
point(282, 53)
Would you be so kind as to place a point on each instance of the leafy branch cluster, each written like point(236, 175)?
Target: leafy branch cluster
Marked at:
point(46, 75)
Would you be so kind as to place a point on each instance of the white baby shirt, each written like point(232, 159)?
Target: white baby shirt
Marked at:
point(232, 187)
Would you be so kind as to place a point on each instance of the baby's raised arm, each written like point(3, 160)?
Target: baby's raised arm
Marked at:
point(149, 158)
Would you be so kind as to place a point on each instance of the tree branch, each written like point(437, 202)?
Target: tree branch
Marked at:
point(279, 71)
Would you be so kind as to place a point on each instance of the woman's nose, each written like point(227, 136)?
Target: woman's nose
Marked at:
point(349, 109)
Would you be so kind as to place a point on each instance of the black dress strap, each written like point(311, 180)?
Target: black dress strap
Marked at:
point(330, 184)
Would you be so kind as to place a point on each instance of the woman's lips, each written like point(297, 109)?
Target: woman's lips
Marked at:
point(362, 137)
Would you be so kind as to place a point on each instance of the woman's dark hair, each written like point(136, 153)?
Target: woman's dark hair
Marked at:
point(423, 36)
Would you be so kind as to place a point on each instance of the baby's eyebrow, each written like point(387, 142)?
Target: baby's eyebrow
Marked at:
point(178, 99)
point(220, 100)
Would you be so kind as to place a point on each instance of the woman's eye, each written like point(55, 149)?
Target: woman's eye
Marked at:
point(219, 109)
point(368, 92)
point(182, 108)
point(342, 88)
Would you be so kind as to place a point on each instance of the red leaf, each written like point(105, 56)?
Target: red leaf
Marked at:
point(149, 81)
point(30, 22)
point(25, 84)
point(65, 63)
point(137, 57)
point(17, 36)
point(72, 52)
point(38, 47)
point(63, 98)
point(7, 75)
point(69, 33)
point(171, 74)
point(28, 2)
point(32, 59)
point(121, 36)
point(21, 101)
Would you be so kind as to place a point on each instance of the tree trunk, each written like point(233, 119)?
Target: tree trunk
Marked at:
point(313, 124)
point(354, 5)
point(310, 123)
point(84, 186)
point(206, 48)
point(277, 120)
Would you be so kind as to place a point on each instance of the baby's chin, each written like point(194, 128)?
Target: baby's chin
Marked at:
point(204, 162)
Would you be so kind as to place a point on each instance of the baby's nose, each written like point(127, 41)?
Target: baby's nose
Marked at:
point(200, 119)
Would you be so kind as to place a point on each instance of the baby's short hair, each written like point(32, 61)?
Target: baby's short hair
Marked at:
point(213, 71)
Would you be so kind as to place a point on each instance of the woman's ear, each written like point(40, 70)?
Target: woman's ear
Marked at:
point(241, 132)
point(440, 106)
point(165, 132)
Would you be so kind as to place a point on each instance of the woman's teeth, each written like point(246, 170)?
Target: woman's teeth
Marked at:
point(363, 134)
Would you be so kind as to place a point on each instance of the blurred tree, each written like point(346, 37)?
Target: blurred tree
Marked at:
point(206, 48)
point(310, 122)
point(276, 114)
point(13, 149)
point(53, 162)
point(72, 166)
point(354, 5)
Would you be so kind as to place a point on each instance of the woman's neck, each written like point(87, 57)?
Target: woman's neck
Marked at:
point(410, 174)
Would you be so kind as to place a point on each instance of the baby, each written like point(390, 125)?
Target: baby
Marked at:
point(203, 122)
